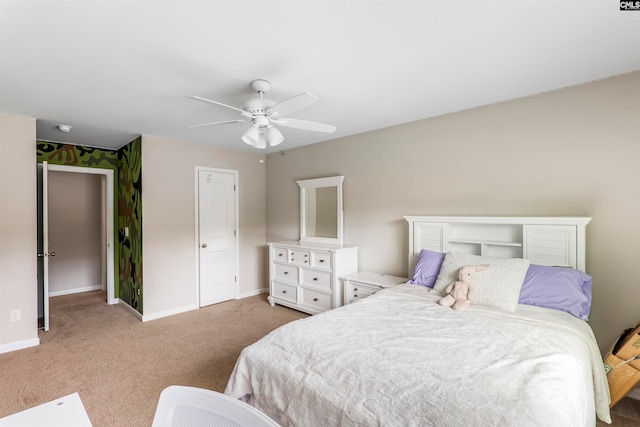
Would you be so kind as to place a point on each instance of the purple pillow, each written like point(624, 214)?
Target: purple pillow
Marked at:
point(560, 288)
point(427, 268)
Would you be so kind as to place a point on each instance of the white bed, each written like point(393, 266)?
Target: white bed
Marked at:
point(399, 358)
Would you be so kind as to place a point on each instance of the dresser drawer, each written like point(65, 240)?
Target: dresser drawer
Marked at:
point(280, 254)
point(285, 291)
point(317, 279)
point(286, 272)
point(316, 299)
point(299, 257)
point(321, 260)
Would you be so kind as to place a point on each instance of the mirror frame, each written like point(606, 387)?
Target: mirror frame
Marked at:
point(331, 181)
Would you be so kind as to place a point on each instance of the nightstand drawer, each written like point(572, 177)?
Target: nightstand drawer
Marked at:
point(361, 290)
point(285, 291)
point(362, 284)
point(317, 279)
point(316, 299)
point(286, 272)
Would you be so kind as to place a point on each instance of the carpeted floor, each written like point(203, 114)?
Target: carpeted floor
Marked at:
point(119, 365)
point(625, 413)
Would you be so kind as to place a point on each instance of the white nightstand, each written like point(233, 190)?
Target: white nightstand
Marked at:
point(362, 284)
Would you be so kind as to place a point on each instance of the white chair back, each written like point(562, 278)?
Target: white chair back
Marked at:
point(181, 406)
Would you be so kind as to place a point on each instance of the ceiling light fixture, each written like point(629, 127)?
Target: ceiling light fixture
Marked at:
point(261, 134)
point(274, 136)
point(263, 113)
point(251, 135)
point(64, 128)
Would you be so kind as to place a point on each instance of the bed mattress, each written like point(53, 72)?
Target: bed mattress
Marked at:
point(397, 358)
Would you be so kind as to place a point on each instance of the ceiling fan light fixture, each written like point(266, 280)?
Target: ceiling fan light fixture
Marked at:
point(251, 135)
point(263, 113)
point(262, 140)
point(274, 136)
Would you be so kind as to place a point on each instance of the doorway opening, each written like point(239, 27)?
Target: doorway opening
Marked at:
point(76, 254)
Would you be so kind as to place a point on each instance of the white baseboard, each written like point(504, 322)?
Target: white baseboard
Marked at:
point(184, 309)
point(75, 290)
point(19, 345)
point(253, 293)
point(177, 310)
point(635, 393)
point(132, 310)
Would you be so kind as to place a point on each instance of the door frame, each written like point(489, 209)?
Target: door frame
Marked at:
point(196, 244)
point(109, 224)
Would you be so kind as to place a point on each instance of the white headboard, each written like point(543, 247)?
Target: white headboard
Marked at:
point(552, 241)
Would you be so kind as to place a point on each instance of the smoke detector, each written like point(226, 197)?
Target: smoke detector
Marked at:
point(64, 128)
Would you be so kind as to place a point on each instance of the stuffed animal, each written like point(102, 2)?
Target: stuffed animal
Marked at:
point(462, 293)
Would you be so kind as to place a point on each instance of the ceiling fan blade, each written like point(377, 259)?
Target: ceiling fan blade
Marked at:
point(305, 124)
point(226, 122)
point(199, 98)
point(293, 104)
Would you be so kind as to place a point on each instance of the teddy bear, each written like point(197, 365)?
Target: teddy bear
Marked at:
point(461, 293)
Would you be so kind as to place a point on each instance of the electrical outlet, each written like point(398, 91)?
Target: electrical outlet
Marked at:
point(15, 315)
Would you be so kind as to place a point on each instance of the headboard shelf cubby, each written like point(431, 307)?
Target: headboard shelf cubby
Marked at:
point(553, 241)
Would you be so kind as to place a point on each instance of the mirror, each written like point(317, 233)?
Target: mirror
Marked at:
point(321, 210)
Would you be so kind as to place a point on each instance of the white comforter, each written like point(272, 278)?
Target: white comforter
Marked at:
point(397, 358)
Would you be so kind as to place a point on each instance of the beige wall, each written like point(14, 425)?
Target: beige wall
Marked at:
point(18, 249)
point(572, 152)
point(168, 224)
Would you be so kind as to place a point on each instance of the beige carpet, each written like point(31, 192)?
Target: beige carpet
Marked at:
point(119, 365)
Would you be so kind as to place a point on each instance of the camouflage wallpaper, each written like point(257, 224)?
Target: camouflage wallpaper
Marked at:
point(127, 205)
point(130, 215)
point(57, 153)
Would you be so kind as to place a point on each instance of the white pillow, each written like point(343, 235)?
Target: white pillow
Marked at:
point(499, 286)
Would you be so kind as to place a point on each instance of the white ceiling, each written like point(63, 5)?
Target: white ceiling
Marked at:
point(115, 69)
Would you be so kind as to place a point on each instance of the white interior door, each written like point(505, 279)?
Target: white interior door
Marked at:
point(217, 236)
point(45, 243)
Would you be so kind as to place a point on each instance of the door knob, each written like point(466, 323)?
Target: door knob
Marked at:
point(204, 245)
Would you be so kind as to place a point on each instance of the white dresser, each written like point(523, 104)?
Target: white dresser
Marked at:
point(306, 277)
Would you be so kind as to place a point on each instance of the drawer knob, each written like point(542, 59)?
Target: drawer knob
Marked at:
point(285, 273)
point(284, 292)
point(315, 299)
point(315, 279)
point(355, 295)
point(355, 289)
point(305, 261)
point(321, 260)
point(306, 255)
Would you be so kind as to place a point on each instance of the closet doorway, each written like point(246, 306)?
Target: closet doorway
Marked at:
point(75, 233)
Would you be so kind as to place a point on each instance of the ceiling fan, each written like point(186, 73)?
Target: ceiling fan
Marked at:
point(264, 113)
